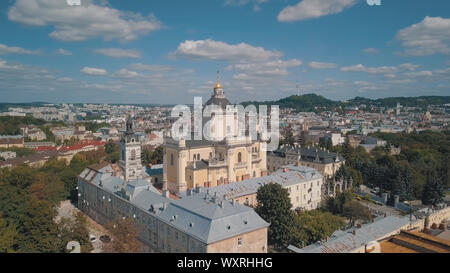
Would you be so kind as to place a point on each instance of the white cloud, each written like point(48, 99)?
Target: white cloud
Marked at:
point(371, 50)
point(62, 51)
point(409, 66)
point(256, 3)
point(78, 23)
point(221, 51)
point(428, 37)
point(125, 73)
point(153, 68)
point(423, 73)
point(119, 53)
point(309, 9)
point(354, 68)
point(319, 65)
point(388, 71)
point(94, 71)
point(4, 49)
point(250, 71)
point(362, 83)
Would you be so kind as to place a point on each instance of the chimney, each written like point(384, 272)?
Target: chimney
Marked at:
point(233, 202)
point(396, 200)
point(164, 207)
point(166, 193)
point(297, 163)
point(285, 170)
point(189, 192)
point(385, 197)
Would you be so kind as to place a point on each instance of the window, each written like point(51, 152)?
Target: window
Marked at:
point(198, 156)
point(133, 154)
point(171, 159)
point(239, 157)
point(240, 243)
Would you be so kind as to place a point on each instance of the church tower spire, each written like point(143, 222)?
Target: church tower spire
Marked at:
point(130, 153)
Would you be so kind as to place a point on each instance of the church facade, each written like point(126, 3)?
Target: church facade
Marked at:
point(205, 163)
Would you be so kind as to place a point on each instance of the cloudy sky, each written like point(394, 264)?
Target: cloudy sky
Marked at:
point(169, 51)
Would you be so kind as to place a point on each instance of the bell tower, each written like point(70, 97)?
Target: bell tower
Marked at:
point(130, 153)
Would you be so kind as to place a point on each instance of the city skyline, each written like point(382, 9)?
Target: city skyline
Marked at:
point(265, 49)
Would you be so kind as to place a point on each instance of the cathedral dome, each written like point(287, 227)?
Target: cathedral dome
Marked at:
point(222, 102)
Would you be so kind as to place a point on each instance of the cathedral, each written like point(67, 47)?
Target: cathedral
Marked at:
point(205, 163)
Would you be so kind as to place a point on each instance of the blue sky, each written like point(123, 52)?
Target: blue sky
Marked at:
point(169, 51)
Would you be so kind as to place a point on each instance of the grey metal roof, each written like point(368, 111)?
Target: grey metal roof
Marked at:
point(222, 102)
point(295, 175)
point(346, 241)
point(309, 154)
point(211, 221)
point(206, 218)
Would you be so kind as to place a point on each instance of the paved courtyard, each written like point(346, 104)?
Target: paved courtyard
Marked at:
point(66, 210)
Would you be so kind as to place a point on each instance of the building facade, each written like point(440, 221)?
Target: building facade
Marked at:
point(198, 223)
point(326, 162)
point(305, 186)
point(208, 163)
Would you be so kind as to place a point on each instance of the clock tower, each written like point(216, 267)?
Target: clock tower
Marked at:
point(130, 153)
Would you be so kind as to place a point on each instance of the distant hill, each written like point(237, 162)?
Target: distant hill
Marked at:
point(404, 101)
point(5, 105)
point(314, 103)
point(306, 103)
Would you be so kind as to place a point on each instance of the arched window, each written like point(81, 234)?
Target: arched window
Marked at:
point(239, 157)
point(171, 159)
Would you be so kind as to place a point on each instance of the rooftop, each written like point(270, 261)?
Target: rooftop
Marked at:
point(206, 218)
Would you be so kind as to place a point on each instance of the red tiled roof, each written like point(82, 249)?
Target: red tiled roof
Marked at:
point(81, 144)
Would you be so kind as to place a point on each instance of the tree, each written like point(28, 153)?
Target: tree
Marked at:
point(434, 189)
point(274, 206)
point(315, 225)
point(111, 147)
point(355, 211)
point(124, 235)
point(287, 136)
point(402, 184)
point(8, 235)
point(75, 230)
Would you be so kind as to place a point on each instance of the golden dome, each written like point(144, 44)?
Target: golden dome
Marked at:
point(218, 85)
